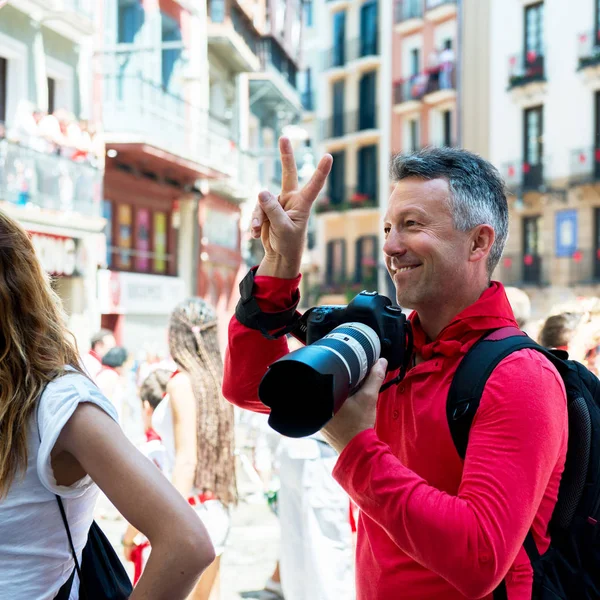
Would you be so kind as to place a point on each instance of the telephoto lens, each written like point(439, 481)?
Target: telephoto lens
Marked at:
point(305, 388)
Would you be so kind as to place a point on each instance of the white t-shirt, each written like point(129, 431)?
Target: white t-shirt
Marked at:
point(162, 423)
point(35, 556)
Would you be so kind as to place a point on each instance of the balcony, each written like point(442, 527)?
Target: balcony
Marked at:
point(233, 40)
point(526, 70)
point(440, 10)
point(522, 176)
point(408, 15)
point(408, 93)
point(585, 166)
point(76, 20)
point(589, 50)
point(346, 199)
point(349, 123)
point(29, 178)
point(141, 116)
point(522, 269)
point(359, 49)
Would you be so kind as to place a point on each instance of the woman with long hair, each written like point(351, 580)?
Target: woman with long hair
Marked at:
point(59, 437)
point(196, 426)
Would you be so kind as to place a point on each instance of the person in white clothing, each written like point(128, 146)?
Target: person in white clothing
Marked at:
point(102, 342)
point(59, 437)
point(196, 426)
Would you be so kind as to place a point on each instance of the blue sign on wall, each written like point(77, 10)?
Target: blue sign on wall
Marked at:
point(566, 233)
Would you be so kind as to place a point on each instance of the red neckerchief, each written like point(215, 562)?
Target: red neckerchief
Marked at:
point(94, 354)
point(151, 435)
point(491, 311)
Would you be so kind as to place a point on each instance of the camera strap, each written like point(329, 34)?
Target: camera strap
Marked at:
point(271, 325)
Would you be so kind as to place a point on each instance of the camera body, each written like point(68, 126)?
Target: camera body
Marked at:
point(371, 309)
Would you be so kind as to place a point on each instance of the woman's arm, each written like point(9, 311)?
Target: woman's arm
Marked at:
point(183, 405)
point(181, 548)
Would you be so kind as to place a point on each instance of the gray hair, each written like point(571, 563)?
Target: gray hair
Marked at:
point(478, 194)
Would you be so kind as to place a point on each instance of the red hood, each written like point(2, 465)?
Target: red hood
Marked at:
point(491, 311)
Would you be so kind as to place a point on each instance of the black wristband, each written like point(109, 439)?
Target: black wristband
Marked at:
point(271, 325)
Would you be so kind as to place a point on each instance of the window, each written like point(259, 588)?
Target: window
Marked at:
point(123, 237)
point(414, 62)
point(532, 250)
point(3, 88)
point(51, 95)
point(306, 90)
point(367, 109)
point(447, 128)
point(368, 28)
point(367, 171)
point(533, 150)
point(448, 44)
point(339, 39)
point(596, 243)
point(217, 11)
point(339, 91)
point(534, 34)
point(336, 262)
point(138, 239)
point(308, 13)
point(367, 255)
point(413, 135)
point(170, 32)
point(142, 240)
point(130, 17)
point(336, 178)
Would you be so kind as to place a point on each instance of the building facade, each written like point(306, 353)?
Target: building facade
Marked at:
point(345, 67)
point(51, 153)
point(545, 95)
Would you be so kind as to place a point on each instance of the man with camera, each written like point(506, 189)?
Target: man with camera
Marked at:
point(431, 524)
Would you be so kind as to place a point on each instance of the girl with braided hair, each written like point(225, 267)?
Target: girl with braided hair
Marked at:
point(197, 427)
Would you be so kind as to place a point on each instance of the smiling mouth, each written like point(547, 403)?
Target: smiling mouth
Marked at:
point(405, 269)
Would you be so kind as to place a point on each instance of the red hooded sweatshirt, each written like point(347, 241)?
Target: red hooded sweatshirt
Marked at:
point(431, 526)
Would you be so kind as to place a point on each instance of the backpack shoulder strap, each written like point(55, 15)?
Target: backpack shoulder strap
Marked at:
point(472, 374)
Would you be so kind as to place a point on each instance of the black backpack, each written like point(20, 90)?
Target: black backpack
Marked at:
point(570, 569)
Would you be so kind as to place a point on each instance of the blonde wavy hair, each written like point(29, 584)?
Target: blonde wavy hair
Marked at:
point(35, 345)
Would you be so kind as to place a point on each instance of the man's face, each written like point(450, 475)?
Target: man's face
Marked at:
point(105, 345)
point(426, 256)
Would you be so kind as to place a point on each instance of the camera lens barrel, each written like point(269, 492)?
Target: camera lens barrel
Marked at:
point(305, 388)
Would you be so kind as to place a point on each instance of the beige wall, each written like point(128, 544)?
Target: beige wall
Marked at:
point(475, 72)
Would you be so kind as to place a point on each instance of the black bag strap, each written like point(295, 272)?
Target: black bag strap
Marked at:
point(66, 523)
point(467, 388)
point(473, 372)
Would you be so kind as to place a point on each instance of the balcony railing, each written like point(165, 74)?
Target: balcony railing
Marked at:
point(522, 269)
point(340, 54)
point(272, 56)
point(523, 176)
point(139, 110)
point(525, 69)
point(340, 200)
point(244, 29)
point(404, 10)
point(410, 89)
point(589, 49)
point(49, 181)
point(343, 124)
point(585, 166)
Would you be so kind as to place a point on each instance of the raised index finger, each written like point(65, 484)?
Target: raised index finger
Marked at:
point(289, 173)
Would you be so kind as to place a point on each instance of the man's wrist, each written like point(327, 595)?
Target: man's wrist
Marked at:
point(278, 267)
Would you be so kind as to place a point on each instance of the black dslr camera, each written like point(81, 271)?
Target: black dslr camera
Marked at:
point(305, 388)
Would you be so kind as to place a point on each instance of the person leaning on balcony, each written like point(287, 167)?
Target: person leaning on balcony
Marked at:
point(59, 436)
point(431, 525)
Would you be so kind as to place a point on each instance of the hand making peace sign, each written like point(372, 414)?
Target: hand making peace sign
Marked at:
point(282, 222)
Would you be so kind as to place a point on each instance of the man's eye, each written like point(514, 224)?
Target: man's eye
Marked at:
point(410, 223)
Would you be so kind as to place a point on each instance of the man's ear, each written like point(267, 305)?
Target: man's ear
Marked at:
point(482, 240)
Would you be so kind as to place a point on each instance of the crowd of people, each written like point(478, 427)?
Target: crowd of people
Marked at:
point(395, 494)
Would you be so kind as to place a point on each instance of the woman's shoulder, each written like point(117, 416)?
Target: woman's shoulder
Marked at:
point(65, 392)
